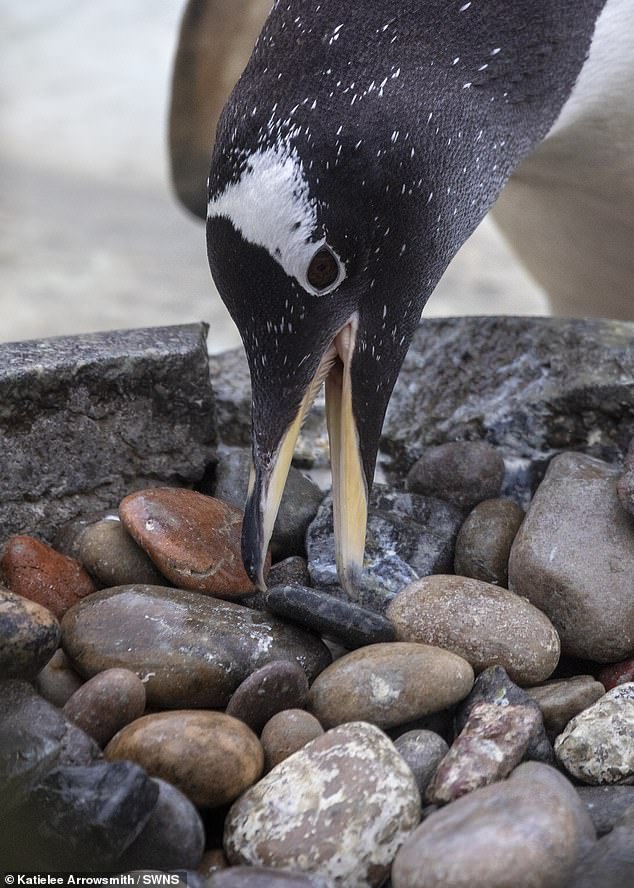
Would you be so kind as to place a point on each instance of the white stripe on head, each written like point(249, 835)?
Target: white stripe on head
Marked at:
point(270, 205)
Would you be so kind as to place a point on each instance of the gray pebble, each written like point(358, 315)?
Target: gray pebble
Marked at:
point(606, 804)
point(172, 838)
point(423, 751)
point(461, 472)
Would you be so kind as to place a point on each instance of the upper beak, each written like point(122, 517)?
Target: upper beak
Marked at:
point(349, 483)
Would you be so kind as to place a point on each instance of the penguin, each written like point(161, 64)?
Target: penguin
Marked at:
point(359, 149)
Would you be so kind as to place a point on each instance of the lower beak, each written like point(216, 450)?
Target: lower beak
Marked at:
point(349, 486)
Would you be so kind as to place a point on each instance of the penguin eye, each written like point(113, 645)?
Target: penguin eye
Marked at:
point(323, 269)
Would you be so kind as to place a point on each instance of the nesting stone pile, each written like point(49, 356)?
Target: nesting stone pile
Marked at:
point(467, 720)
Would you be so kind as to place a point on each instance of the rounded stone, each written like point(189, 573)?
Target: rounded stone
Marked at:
point(211, 757)
point(597, 745)
point(423, 751)
point(527, 832)
point(190, 650)
point(484, 541)
point(58, 680)
point(106, 703)
point(287, 732)
point(485, 624)
point(194, 540)
point(339, 808)
point(461, 472)
point(573, 556)
point(35, 571)
point(389, 684)
point(29, 636)
point(563, 698)
point(279, 685)
point(173, 837)
point(354, 626)
point(109, 554)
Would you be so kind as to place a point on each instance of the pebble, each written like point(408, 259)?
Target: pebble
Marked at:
point(35, 571)
point(264, 877)
point(563, 698)
point(87, 816)
point(389, 684)
point(606, 804)
point(484, 541)
point(194, 540)
point(190, 650)
point(610, 863)
point(58, 680)
point(111, 556)
point(423, 751)
point(300, 500)
point(494, 686)
point(321, 612)
point(461, 472)
point(596, 746)
point(66, 538)
point(339, 808)
point(211, 757)
point(34, 738)
point(485, 624)
point(106, 703)
point(572, 558)
point(29, 636)
point(408, 536)
point(286, 733)
point(172, 838)
point(274, 687)
point(526, 832)
point(291, 571)
point(491, 744)
point(617, 673)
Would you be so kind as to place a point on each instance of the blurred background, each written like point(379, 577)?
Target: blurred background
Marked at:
point(92, 236)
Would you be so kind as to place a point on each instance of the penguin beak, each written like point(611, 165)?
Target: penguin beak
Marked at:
point(349, 484)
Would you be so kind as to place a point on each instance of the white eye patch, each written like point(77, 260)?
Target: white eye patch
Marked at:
point(270, 205)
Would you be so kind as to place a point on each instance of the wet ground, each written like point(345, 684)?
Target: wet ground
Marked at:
point(92, 237)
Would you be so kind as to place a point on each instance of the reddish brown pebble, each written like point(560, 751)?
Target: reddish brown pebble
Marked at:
point(279, 685)
point(193, 539)
point(617, 674)
point(286, 733)
point(106, 703)
point(36, 571)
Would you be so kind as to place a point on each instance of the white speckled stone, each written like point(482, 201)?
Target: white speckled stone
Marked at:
point(340, 807)
point(597, 746)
